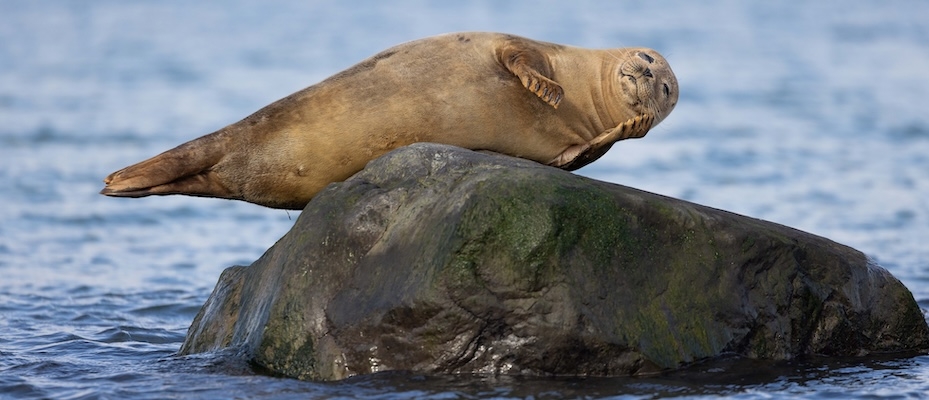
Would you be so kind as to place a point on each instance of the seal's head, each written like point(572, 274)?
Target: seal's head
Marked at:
point(642, 84)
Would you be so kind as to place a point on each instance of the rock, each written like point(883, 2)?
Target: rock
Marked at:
point(443, 260)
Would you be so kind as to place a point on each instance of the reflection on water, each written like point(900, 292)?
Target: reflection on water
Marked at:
point(808, 115)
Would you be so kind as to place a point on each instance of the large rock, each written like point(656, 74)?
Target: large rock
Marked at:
point(443, 260)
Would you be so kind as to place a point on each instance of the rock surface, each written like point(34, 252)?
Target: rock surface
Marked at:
point(444, 260)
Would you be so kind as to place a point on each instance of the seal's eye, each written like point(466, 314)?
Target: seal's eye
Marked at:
point(646, 57)
point(667, 90)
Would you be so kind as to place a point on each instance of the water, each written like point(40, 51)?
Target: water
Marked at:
point(813, 116)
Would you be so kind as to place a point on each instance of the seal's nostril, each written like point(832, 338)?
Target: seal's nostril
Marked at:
point(646, 57)
point(647, 73)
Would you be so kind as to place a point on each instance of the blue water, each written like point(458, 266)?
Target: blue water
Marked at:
point(814, 116)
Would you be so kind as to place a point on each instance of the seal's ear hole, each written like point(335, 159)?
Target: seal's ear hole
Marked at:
point(667, 90)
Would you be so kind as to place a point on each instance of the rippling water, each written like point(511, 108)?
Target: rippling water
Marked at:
point(813, 116)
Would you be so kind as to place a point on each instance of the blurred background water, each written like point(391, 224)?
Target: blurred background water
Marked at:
point(811, 115)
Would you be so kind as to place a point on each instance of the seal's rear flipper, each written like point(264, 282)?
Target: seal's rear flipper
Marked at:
point(580, 155)
point(185, 169)
point(204, 184)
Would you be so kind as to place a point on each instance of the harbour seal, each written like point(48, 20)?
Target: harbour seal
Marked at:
point(559, 105)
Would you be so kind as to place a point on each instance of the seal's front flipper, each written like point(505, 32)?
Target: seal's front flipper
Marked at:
point(566, 159)
point(580, 155)
point(532, 69)
point(634, 128)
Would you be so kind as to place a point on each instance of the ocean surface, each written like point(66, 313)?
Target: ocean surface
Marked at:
point(814, 115)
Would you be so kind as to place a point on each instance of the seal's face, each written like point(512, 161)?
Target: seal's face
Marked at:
point(645, 82)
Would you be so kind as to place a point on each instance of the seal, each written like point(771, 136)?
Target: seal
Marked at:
point(559, 105)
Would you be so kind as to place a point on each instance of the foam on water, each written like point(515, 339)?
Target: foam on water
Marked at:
point(810, 115)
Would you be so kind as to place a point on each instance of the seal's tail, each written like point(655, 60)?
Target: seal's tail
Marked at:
point(185, 169)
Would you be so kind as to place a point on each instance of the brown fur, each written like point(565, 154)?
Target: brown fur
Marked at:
point(464, 89)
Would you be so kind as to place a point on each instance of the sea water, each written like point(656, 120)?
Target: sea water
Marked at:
point(812, 115)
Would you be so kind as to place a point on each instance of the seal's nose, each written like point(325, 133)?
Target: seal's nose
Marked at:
point(645, 57)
